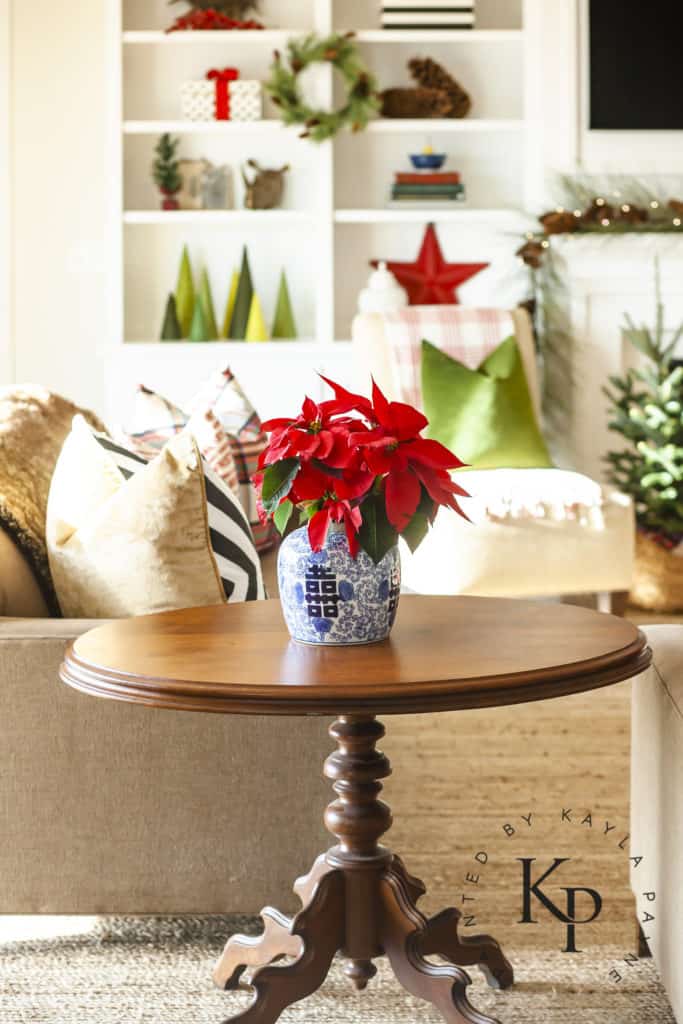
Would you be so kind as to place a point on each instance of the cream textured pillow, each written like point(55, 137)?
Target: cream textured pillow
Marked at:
point(126, 537)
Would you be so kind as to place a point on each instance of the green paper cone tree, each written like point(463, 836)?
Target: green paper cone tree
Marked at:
point(283, 321)
point(205, 300)
point(199, 329)
point(256, 325)
point(184, 293)
point(170, 329)
point(245, 290)
point(230, 304)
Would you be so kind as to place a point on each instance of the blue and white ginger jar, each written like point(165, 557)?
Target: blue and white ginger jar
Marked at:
point(328, 597)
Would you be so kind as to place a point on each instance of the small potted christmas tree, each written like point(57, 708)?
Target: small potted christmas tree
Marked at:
point(166, 172)
point(646, 409)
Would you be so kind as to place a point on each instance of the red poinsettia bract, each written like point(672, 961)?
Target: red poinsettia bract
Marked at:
point(358, 462)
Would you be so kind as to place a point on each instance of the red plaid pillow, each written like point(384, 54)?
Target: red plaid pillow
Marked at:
point(462, 332)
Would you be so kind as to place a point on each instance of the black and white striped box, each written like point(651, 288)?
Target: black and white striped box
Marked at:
point(435, 14)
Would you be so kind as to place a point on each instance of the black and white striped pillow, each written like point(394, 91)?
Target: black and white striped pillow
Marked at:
point(230, 535)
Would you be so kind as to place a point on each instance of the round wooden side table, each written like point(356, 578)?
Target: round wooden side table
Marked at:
point(444, 654)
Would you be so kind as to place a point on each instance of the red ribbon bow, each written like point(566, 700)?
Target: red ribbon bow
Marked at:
point(221, 80)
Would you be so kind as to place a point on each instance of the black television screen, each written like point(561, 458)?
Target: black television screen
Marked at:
point(635, 64)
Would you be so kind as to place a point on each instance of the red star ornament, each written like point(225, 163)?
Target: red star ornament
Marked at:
point(429, 280)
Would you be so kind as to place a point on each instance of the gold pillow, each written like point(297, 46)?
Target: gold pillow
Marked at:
point(127, 537)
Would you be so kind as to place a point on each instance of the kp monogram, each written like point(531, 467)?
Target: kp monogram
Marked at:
point(567, 917)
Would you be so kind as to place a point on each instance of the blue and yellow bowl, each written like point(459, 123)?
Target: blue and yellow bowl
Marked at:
point(427, 161)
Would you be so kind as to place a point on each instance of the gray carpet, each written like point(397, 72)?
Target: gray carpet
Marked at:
point(158, 971)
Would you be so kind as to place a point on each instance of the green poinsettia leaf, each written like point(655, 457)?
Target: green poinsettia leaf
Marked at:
point(282, 515)
point(418, 527)
point(307, 511)
point(416, 531)
point(376, 534)
point(277, 482)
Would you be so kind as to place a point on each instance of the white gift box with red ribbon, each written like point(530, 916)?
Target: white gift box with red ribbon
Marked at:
point(222, 96)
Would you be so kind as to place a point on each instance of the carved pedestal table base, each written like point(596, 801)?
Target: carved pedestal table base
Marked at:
point(359, 901)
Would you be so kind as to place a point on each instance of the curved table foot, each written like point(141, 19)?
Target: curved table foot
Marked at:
point(401, 930)
point(440, 937)
point(242, 951)
point(319, 930)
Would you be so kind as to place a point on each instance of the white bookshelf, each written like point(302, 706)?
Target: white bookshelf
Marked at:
point(335, 215)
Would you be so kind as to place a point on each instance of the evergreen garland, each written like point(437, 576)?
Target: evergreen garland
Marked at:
point(647, 410)
point(341, 52)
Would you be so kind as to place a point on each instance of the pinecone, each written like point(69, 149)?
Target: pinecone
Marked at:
point(598, 211)
point(431, 75)
point(559, 222)
point(415, 103)
point(632, 214)
point(531, 253)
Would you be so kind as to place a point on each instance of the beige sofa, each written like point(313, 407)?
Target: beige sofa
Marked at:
point(110, 808)
point(657, 806)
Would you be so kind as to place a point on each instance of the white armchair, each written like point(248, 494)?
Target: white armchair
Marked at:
point(657, 808)
point(539, 532)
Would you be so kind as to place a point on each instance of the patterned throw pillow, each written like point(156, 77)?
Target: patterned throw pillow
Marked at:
point(156, 421)
point(228, 432)
point(226, 399)
point(128, 537)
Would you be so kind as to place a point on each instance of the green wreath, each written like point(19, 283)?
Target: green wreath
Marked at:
point(338, 50)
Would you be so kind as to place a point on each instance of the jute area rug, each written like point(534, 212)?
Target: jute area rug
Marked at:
point(158, 971)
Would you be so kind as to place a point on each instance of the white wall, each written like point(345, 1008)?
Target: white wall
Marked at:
point(6, 347)
point(60, 179)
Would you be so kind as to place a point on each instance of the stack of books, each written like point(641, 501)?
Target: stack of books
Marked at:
point(434, 14)
point(427, 188)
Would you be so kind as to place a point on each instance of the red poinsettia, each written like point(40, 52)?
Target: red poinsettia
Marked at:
point(371, 471)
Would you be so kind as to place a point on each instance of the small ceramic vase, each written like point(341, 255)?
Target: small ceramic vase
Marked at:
point(328, 597)
point(383, 293)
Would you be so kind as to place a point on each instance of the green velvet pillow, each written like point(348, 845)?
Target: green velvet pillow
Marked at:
point(485, 416)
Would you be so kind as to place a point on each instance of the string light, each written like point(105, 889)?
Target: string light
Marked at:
point(599, 201)
point(677, 222)
point(605, 222)
point(577, 213)
point(545, 244)
point(559, 209)
point(654, 205)
point(625, 208)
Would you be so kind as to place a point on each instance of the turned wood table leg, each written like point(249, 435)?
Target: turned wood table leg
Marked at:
point(358, 819)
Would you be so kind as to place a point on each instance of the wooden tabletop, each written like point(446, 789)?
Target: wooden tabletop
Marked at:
point(445, 653)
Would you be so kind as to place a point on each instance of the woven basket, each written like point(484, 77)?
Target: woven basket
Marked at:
point(658, 577)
